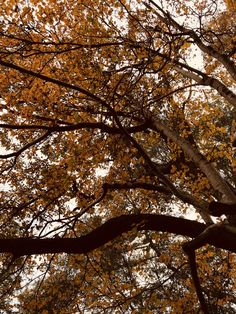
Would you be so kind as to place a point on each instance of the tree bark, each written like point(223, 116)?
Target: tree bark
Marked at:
point(217, 182)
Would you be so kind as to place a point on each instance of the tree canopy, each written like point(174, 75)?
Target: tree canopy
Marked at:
point(117, 165)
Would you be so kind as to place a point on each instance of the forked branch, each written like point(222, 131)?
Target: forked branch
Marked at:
point(189, 248)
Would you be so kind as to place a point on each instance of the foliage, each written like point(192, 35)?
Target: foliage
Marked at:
point(116, 115)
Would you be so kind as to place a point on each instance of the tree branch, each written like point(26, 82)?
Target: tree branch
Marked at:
point(213, 176)
point(102, 235)
point(82, 125)
point(206, 80)
point(218, 208)
point(222, 58)
point(28, 145)
point(189, 248)
point(196, 281)
point(224, 237)
point(52, 80)
point(136, 185)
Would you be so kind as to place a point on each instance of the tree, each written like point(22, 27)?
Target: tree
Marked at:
point(117, 125)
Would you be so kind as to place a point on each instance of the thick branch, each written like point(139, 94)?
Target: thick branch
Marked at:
point(205, 237)
point(136, 185)
point(206, 80)
point(218, 208)
point(114, 228)
point(102, 235)
point(82, 125)
point(213, 176)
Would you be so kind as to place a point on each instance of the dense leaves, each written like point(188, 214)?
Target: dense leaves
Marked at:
point(117, 122)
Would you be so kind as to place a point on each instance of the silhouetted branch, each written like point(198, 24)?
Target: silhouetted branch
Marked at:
point(189, 248)
point(28, 145)
point(196, 281)
point(219, 236)
point(218, 208)
point(136, 185)
point(102, 235)
point(72, 127)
